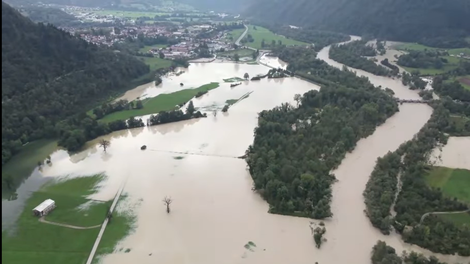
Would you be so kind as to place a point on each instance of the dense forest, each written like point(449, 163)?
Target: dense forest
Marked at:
point(410, 162)
point(296, 147)
point(49, 75)
point(433, 22)
point(385, 254)
point(352, 54)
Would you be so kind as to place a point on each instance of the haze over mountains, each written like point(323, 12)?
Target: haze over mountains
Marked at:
point(405, 20)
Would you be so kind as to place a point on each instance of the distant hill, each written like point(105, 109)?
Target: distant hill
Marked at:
point(49, 75)
point(229, 6)
point(403, 20)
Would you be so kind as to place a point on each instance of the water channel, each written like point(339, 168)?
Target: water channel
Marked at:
point(215, 212)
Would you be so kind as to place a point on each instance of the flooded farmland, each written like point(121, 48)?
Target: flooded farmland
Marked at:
point(215, 214)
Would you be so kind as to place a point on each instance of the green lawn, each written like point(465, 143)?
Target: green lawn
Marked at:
point(236, 33)
point(460, 80)
point(155, 63)
point(148, 48)
point(261, 33)
point(41, 243)
point(240, 52)
point(419, 47)
point(162, 102)
point(452, 182)
point(453, 63)
point(458, 219)
point(23, 163)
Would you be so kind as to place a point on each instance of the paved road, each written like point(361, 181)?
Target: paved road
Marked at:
point(242, 36)
point(103, 227)
point(441, 213)
point(43, 220)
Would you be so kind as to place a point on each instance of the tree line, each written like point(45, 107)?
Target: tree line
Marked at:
point(416, 197)
point(385, 254)
point(296, 147)
point(426, 59)
point(351, 54)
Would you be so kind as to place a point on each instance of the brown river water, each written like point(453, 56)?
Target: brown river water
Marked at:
point(214, 211)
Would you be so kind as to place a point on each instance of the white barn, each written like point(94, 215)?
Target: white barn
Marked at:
point(44, 208)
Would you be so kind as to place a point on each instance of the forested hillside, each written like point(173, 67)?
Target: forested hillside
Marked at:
point(48, 75)
point(433, 22)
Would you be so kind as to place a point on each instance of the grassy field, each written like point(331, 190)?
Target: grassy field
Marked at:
point(452, 182)
point(460, 79)
point(22, 164)
point(419, 47)
point(240, 52)
point(236, 33)
point(453, 63)
point(457, 219)
point(41, 243)
point(261, 33)
point(148, 48)
point(155, 62)
point(163, 102)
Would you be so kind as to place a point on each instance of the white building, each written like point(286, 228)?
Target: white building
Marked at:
point(44, 208)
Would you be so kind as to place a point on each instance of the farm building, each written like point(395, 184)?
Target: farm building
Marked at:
point(44, 208)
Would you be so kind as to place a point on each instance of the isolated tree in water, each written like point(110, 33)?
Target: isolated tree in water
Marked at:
point(236, 57)
point(167, 201)
point(104, 144)
point(246, 76)
point(190, 110)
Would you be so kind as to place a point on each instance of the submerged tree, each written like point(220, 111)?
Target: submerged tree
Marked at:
point(246, 76)
point(104, 144)
point(167, 201)
point(318, 235)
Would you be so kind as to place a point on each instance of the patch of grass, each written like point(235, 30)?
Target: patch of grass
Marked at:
point(236, 33)
point(465, 51)
point(453, 63)
point(233, 101)
point(162, 102)
point(463, 80)
point(120, 227)
point(233, 79)
point(155, 63)
point(458, 219)
point(261, 33)
point(240, 52)
point(452, 182)
point(178, 157)
point(23, 163)
point(148, 48)
point(41, 243)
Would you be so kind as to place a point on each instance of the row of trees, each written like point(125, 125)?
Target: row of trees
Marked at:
point(351, 54)
point(385, 254)
point(413, 81)
point(120, 105)
point(415, 197)
point(295, 148)
point(426, 59)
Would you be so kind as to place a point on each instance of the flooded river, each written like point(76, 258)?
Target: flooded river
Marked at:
point(214, 212)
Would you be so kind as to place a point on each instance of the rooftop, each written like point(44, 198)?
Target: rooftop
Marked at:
point(44, 205)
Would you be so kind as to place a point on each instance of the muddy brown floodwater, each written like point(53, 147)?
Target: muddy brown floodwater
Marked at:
point(215, 213)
